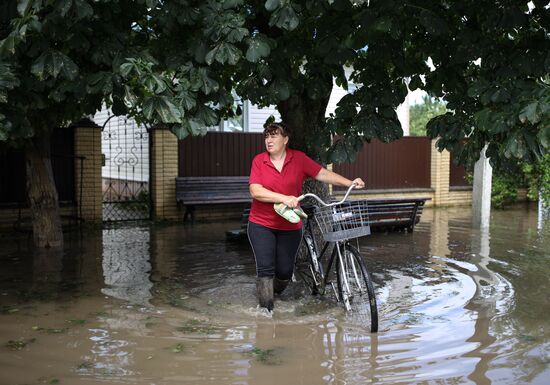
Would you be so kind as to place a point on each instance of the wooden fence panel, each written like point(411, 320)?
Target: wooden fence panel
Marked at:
point(404, 163)
point(401, 164)
point(218, 154)
point(457, 175)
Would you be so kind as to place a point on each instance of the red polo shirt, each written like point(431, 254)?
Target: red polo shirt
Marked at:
point(296, 168)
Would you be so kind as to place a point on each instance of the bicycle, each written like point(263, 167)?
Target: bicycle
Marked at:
point(339, 223)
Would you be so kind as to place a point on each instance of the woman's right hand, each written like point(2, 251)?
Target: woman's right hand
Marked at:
point(290, 201)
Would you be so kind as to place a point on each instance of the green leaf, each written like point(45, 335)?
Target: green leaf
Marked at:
point(285, 18)
point(22, 6)
point(188, 100)
point(228, 4)
point(155, 83)
point(37, 68)
point(100, 82)
point(64, 6)
point(211, 55)
point(500, 96)
point(3, 134)
point(196, 127)
point(126, 69)
point(257, 49)
point(164, 108)
point(271, 5)
point(181, 131)
point(8, 81)
point(433, 23)
point(7, 45)
point(224, 53)
point(201, 80)
point(237, 34)
point(83, 9)
point(69, 69)
point(281, 89)
point(118, 107)
point(544, 136)
point(54, 63)
point(415, 83)
point(383, 24)
point(530, 113)
point(207, 116)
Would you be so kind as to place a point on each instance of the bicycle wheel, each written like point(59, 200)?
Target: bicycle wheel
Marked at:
point(355, 286)
point(310, 268)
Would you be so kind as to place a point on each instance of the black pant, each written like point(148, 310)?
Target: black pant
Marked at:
point(274, 250)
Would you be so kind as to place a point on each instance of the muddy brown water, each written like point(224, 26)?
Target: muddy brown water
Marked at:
point(176, 305)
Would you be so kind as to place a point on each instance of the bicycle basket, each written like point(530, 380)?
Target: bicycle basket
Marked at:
point(344, 221)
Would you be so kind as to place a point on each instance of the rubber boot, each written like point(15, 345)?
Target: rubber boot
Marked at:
point(264, 286)
point(279, 285)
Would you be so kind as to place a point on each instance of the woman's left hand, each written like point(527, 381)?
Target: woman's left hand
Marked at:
point(358, 182)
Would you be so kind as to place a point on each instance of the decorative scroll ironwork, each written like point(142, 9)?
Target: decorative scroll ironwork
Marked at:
point(125, 173)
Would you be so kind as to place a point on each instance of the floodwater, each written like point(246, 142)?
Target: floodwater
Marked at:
point(176, 305)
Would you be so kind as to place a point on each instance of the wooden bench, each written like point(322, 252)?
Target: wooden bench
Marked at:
point(385, 214)
point(395, 213)
point(191, 191)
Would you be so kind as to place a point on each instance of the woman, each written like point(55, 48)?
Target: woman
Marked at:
point(277, 176)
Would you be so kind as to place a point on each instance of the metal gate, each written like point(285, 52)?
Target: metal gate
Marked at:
point(125, 171)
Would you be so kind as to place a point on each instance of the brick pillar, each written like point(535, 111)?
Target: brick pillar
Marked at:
point(164, 170)
point(440, 174)
point(88, 162)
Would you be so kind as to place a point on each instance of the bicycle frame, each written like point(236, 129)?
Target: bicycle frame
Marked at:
point(335, 252)
point(338, 227)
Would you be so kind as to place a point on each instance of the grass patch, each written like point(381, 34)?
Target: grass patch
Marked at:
point(527, 338)
point(178, 348)
point(265, 356)
point(76, 321)
point(19, 344)
point(100, 314)
point(195, 326)
point(86, 365)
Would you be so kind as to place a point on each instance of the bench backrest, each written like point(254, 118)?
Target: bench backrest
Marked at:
point(215, 189)
point(396, 213)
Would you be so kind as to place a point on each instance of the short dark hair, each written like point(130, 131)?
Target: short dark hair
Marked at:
point(273, 128)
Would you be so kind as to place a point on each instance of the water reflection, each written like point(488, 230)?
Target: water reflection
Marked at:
point(176, 305)
point(126, 265)
point(109, 357)
point(543, 213)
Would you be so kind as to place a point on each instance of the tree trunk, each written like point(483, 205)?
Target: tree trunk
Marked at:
point(306, 119)
point(42, 194)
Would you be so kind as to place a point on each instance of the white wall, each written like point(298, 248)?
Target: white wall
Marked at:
point(257, 117)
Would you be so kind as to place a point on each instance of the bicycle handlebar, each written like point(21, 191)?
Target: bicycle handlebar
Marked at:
point(301, 197)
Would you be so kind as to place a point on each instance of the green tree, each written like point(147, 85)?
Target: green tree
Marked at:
point(61, 60)
point(421, 113)
point(176, 62)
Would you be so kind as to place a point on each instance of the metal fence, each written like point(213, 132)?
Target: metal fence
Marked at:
point(125, 173)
